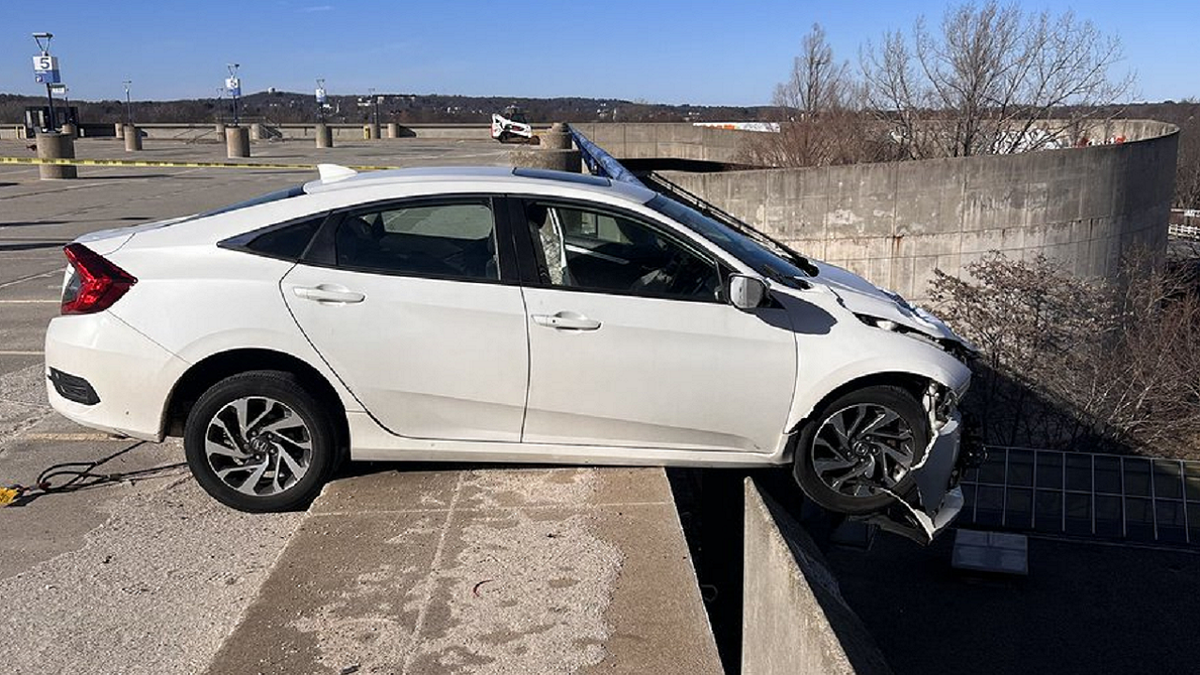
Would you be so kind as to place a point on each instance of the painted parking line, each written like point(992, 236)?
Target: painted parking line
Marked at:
point(21, 353)
point(39, 275)
point(72, 436)
point(30, 302)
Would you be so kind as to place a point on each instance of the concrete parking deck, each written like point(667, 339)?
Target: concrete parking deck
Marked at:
point(487, 570)
point(433, 569)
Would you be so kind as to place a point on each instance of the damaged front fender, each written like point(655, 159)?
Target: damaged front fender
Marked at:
point(938, 498)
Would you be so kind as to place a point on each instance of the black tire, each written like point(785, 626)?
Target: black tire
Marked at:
point(804, 470)
point(262, 388)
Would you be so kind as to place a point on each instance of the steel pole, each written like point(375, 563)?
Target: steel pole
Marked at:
point(50, 100)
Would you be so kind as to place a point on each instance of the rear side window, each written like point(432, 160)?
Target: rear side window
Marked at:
point(455, 240)
point(288, 241)
point(285, 240)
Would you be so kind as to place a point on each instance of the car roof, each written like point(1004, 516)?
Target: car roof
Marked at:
point(335, 179)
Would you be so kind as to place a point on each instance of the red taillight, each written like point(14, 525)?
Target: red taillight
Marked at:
point(95, 283)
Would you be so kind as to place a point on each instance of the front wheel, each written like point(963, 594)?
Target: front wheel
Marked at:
point(859, 448)
point(258, 441)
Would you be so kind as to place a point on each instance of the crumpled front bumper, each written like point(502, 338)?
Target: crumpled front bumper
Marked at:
point(938, 498)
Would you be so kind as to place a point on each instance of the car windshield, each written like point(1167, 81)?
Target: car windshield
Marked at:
point(755, 254)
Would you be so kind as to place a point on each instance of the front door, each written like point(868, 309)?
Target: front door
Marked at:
point(631, 345)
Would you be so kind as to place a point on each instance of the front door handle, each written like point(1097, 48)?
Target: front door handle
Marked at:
point(328, 293)
point(566, 321)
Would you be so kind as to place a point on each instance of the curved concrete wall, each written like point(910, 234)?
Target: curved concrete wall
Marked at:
point(894, 223)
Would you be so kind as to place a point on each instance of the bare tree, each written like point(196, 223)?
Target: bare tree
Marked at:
point(818, 83)
point(991, 79)
point(821, 120)
point(1187, 171)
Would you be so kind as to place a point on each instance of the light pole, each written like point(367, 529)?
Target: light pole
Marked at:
point(375, 103)
point(128, 104)
point(320, 99)
point(50, 69)
point(234, 84)
point(221, 105)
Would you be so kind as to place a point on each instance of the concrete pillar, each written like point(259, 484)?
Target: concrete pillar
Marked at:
point(324, 136)
point(120, 129)
point(133, 138)
point(55, 146)
point(393, 130)
point(70, 130)
point(219, 128)
point(256, 132)
point(371, 132)
point(237, 142)
point(555, 140)
point(549, 158)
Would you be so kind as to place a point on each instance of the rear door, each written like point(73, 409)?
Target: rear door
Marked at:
point(417, 309)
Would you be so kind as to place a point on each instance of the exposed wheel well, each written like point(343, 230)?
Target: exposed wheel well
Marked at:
point(217, 367)
point(910, 382)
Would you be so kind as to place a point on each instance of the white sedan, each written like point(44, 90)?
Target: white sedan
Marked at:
point(508, 315)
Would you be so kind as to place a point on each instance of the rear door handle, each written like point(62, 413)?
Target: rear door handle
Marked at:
point(566, 321)
point(331, 293)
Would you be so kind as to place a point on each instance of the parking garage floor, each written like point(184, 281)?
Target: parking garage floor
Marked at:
point(395, 568)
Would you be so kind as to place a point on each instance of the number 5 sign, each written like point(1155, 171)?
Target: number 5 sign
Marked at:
point(45, 69)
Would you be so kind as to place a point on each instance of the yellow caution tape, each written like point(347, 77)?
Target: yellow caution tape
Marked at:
point(178, 165)
point(7, 495)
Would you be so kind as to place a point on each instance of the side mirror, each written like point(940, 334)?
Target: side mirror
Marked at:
point(745, 292)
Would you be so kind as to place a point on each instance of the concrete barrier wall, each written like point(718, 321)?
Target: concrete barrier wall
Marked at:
point(895, 223)
point(677, 141)
point(794, 619)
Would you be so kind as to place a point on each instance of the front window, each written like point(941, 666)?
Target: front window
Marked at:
point(582, 248)
point(760, 258)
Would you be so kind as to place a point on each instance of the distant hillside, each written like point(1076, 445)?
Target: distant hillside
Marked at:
point(284, 107)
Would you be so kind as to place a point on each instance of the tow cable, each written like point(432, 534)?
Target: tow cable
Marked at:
point(78, 476)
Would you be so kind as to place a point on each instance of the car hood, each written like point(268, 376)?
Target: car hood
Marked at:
point(866, 299)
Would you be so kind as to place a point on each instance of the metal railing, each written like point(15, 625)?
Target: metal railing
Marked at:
point(1139, 499)
point(1185, 231)
point(599, 162)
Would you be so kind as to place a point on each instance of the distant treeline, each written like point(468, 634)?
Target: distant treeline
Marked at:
point(288, 107)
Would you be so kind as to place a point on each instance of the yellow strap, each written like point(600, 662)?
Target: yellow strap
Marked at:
point(179, 165)
point(7, 495)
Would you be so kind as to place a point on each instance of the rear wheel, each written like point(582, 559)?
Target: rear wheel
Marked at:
point(259, 441)
point(861, 447)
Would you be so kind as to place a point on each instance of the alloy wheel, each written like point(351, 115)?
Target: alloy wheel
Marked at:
point(258, 446)
point(863, 449)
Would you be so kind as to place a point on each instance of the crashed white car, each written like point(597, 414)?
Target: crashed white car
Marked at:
point(502, 315)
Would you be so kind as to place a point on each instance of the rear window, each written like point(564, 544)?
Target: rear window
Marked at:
point(286, 193)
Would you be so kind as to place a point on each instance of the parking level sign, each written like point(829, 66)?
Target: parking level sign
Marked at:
point(45, 69)
point(234, 85)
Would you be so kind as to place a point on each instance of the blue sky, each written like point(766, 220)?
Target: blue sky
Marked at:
point(699, 52)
